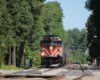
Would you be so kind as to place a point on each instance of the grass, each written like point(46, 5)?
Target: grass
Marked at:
point(12, 67)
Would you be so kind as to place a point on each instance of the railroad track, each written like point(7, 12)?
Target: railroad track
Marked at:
point(83, 75)
point(40, 75)
point(63, 75)
point(26, 74)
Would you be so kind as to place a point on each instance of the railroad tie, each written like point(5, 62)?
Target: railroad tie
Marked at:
point(57, 77)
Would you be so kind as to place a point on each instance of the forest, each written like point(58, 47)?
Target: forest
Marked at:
point(23, 23)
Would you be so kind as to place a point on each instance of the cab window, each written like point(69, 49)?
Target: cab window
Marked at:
point(45, 42)
point(56, 42)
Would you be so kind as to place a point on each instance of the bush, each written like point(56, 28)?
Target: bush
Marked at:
point(6, 67)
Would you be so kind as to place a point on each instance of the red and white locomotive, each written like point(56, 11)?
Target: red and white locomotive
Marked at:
point(53, 51)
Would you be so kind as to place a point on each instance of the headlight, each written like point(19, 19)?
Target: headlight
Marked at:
point(51, 48)
point(50, 37)
point(42, 54)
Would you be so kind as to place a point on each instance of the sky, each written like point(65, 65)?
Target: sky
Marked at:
point(75, 13)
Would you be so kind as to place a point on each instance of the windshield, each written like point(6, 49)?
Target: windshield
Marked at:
point(48, 42)
point(56, 42)
point(45, 42)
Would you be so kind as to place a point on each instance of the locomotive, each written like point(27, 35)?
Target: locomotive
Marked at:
point(53, 51)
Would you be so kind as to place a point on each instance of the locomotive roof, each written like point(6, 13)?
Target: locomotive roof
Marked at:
point(51, 36)
point(54, 37)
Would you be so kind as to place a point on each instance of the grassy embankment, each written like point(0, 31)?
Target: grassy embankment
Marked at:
point(12, 67)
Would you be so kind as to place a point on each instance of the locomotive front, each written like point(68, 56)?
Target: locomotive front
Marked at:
point(51, 50)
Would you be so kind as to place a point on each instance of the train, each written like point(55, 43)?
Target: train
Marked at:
point(53, 51)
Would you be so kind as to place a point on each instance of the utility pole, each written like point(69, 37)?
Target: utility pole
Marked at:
point(90, 45)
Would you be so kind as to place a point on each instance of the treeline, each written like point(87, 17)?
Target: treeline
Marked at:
point(23, 23)
point(93, 28)
point(78, 56)
point(77, 38)
point(77, 43)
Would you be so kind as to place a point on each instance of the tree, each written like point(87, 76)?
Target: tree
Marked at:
point(21, 23)
point(77, 57)
point(6, 33)
point(52, 19)
point(83, 38)
point(37, 29)
point(77, 38)
point(93, 28)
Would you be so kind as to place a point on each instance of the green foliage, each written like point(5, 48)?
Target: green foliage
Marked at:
point(36, 59)
point(52, 19)
point(12, 67)
point(77, 38)
point(93, 28)
point(33, 56)
point(77, 56)
point(21, 26)
point(83, 38)
point(28, 54)
point(89, 58)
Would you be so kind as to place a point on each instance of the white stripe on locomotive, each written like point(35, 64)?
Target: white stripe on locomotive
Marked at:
point(58, 53)
point(54, 52)
point(46, 51)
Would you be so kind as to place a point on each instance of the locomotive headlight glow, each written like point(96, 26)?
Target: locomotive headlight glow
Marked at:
point(51, 48)
point(42, 54)
point(50, 37)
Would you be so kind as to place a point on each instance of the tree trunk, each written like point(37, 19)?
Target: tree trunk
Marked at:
point(32, 64)
point(9, 55)
point(22, 60)
point(14, 56)
point(21, 54)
